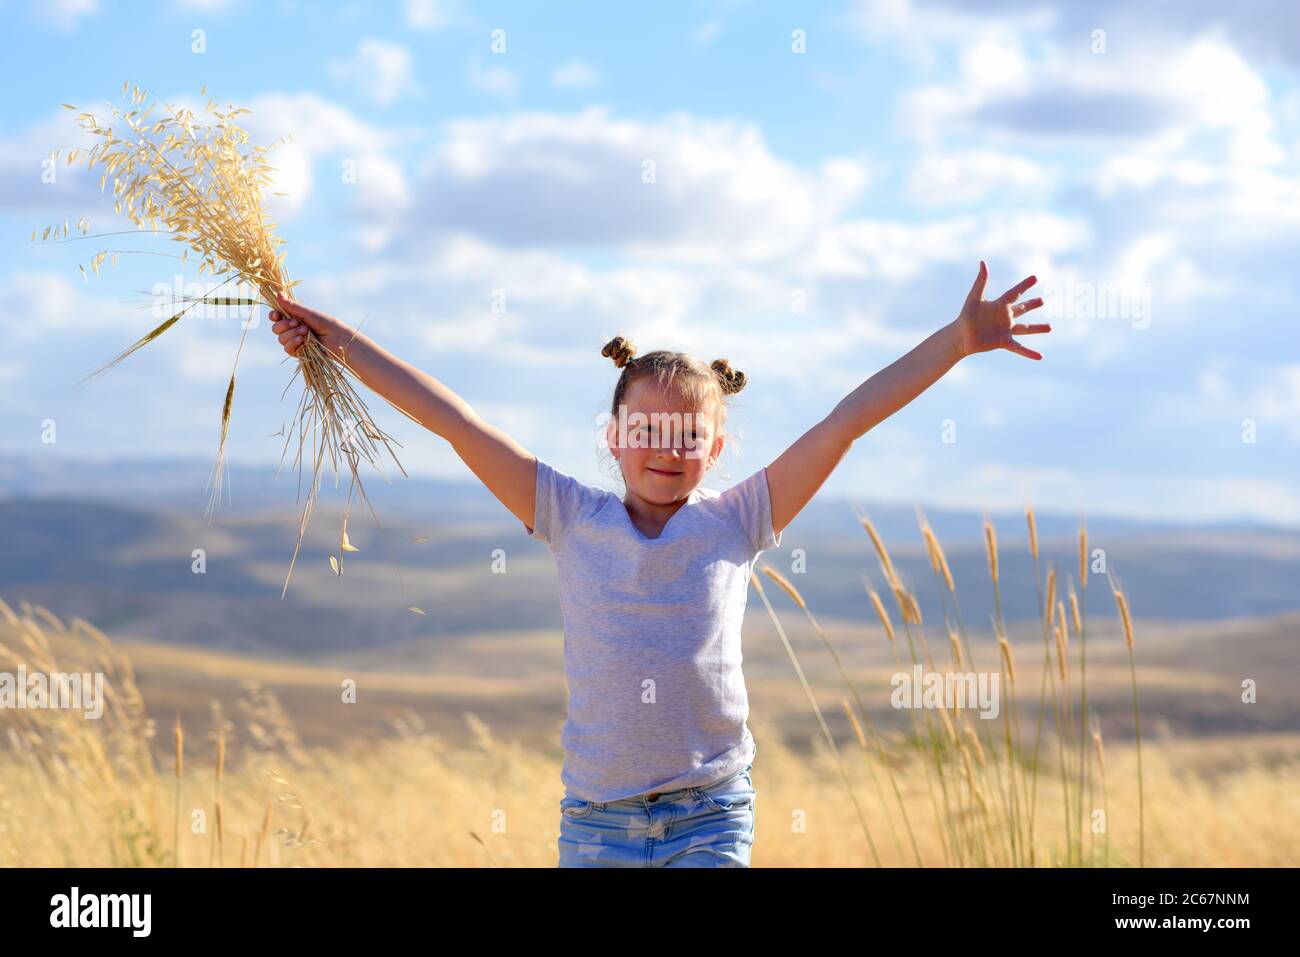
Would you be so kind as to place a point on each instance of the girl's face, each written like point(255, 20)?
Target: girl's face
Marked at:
point(665, 447)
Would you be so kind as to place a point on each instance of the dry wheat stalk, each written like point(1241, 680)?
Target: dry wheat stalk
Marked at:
point(954, 640)
point(886, 565)
point(991, 546)
point(1083, 557)
point(853, 720)
point(202, 181)
point(178, 740)
point(938, 560)
point(884, 615)
point(781, 580)
point(1006, 658)
point(262, 832)
point(1033, 531)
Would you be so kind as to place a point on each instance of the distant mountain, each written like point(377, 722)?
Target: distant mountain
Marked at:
point(115, 543)
point(182, 484)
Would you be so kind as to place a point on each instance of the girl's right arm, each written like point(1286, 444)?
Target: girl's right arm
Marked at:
point(502, 464)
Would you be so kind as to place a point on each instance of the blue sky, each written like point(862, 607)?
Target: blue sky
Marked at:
point(1144, 163)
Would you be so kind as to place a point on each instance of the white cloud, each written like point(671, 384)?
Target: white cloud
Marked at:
point(1000, 92)
point(523, 306)
point(921, 32)
point(382, 183)
point(206, 354)
point(480, 331)
point(897, 251)
point(26, 168)
point(325, 131)
point(707, 32)
point(381, 70)
point(1163, 103)
point(321, 129)
point(1277, 399)
point(46, 303)
point(317, 124)
point(1176, 140)
point(1154, 260)
point(968, 176)
point(431, 14)
point(11, 371)
point(207, 6)
point(896, 473)
point(1267, 32)
point(64, 15)
point(56, 318)
point(575, 74)
point(1231, 390)
point(513, 418)
point(292, 176)
point(1223, 151)
point(497, 80)
point(717, 192)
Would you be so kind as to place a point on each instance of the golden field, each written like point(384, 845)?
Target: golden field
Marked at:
point(412, 775)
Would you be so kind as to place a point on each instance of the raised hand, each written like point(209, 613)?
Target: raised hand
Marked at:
point(989, 324)
point(292, 321)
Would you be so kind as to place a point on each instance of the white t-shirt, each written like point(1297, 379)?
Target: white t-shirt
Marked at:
point(657, 701)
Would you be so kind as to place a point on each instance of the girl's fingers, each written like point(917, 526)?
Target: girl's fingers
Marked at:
point(1021, 350)
point(288, 306)
point(296, 310)
point(1020, 329)
point(1012, 294)
point(977, 289)
point(1020, 308)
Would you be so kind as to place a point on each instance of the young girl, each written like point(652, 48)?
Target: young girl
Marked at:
point(653, 586)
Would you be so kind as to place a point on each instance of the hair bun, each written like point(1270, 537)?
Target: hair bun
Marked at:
point(620, 350)
point(732, 379)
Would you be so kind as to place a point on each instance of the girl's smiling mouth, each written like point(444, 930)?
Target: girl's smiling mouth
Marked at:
point(661, 471)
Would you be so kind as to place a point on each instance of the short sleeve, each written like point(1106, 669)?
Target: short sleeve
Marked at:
point(562, 501)
point(751, 503)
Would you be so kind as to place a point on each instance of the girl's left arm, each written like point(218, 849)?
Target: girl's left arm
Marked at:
point(982, 325)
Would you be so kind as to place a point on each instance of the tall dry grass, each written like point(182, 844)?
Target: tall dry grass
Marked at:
point(77, 792)
point(984, 798)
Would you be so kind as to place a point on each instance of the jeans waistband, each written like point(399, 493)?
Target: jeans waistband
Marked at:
point(692, 791)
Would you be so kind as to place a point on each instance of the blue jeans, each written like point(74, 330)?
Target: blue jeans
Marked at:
point(709, 826)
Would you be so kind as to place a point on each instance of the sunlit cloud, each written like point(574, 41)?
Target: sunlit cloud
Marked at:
point(380, 70)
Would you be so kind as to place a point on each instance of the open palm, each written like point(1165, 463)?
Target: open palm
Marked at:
point(986, 324)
